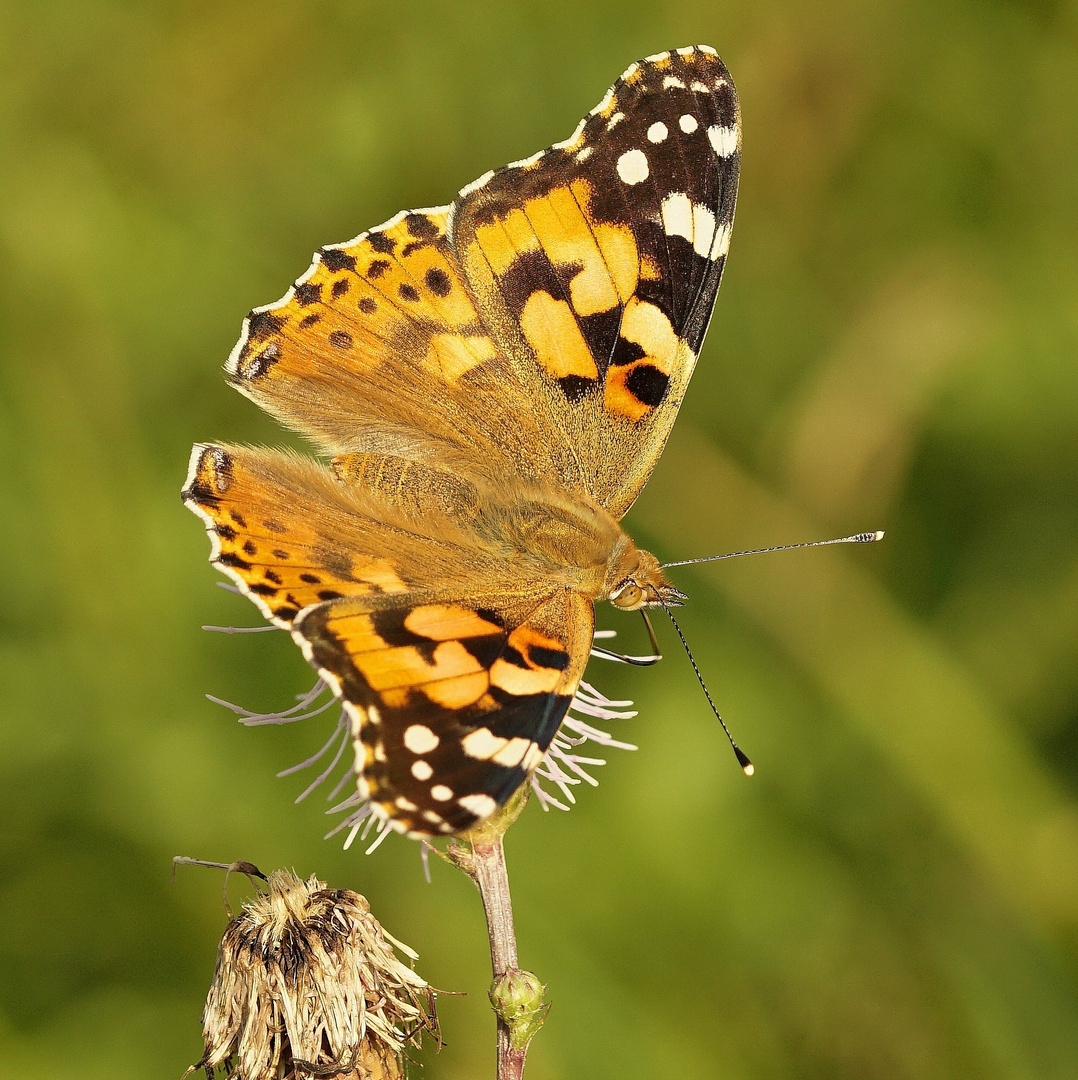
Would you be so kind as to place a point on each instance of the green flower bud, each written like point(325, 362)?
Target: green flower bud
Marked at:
point(517, 997)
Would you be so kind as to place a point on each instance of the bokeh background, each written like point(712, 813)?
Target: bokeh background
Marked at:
point(895, 895)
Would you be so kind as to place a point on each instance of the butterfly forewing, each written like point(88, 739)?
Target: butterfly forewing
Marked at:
point(379, 347)
point(453, 703)
point(596, 262)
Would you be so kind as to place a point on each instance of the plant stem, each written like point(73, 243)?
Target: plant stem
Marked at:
point(516, 996)
point(492, 879)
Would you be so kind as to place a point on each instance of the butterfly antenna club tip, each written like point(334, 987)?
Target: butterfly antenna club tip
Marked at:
point(743, 759)
point(856, 538)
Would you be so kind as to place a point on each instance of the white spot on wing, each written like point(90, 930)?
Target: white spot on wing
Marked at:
point(513, 752)
point(584, 154)
point(708, 49)
point(677, 215)
point(656, 58)
point(615, 119)
point(703, 230)
point(723, 140)
point(671, 82)
point(657, 132)
point(422, 770)
point(482, 744)
point(633, 167)
point(532, 758)
point(698, 87)
point(688, 50)
point(480, 805)
point(688, 123)
point(440, 793)
point(693, 221)
point(420, 739)
point(721, 244)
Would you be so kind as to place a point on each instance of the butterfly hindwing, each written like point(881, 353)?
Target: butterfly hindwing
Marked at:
point(346, 569)
point(291, 534)
point(596, 262)
point(453, 703)
point(378, 347)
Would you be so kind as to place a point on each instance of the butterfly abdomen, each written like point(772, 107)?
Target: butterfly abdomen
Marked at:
point(412, 486)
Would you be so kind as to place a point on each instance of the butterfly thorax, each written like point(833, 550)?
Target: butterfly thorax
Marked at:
point(573, 540)
point(542, 533)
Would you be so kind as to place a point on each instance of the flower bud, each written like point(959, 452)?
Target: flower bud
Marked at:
point(517, 997)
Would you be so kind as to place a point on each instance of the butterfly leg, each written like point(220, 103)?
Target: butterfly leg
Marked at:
point(636, 661)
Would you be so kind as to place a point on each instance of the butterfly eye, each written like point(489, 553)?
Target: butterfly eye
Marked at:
point(628, 597)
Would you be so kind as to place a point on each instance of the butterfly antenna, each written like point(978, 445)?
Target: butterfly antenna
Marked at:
point(857, 538)
point(743, 760)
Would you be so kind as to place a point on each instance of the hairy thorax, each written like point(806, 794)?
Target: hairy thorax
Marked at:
point(576, 542)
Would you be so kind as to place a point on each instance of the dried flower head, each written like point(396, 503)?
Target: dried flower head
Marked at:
point(308, 984)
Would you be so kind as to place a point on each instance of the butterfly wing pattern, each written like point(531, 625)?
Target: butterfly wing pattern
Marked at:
point(596, 262)
point(527, 345)
point(439, 690)
point(452, 704)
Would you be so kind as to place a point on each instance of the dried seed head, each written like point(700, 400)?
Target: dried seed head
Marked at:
point(308, 984)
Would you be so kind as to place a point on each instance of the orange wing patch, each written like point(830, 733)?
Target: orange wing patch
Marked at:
point(453, 704)
point(551, 329)
point(554, 266)
point(274, 554)
point(436, 660)
point(593, 269)
point(395, 292)
point(634, 388)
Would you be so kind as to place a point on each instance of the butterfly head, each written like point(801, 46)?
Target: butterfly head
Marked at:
point(639, 582)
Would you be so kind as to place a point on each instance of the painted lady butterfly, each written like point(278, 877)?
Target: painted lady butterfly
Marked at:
point(494, 381)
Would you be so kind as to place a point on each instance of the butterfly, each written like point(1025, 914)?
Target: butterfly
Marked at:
point(493, 382)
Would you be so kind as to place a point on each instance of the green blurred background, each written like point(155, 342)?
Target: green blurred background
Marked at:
point(895, 894)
